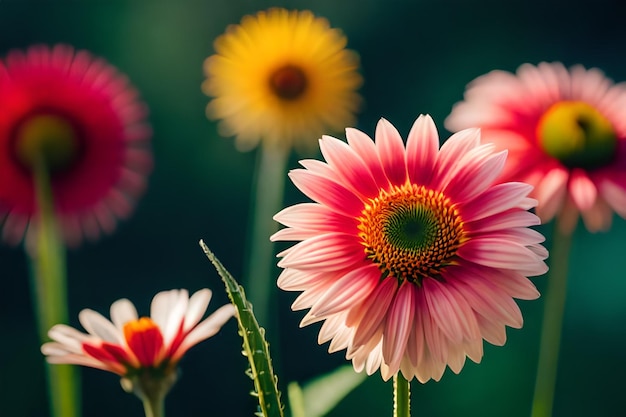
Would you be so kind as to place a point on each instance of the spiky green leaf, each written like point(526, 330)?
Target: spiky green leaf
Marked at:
point(255, 348)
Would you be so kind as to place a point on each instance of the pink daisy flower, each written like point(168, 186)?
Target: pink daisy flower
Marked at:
point(410, 255)
point(79, 116)
point(566, 135)
point(128, 345)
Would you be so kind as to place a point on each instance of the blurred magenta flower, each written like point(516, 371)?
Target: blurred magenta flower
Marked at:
point(128, 344)
point(566, 135)
point(272, 76)
point(411, 255)
point(80, 118)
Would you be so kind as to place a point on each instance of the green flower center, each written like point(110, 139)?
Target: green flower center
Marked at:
point(577, 134)
point(411, 233)
point(50, 137)
point(288, 82)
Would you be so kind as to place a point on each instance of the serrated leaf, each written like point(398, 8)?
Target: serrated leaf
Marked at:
point(254, 345)
point(320, 395)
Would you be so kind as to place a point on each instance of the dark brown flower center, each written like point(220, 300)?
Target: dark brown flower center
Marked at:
point(288, 82)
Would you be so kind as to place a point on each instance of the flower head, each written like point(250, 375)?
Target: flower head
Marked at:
point(283, 77)
point(79, 117)
point(566, 135)
point(411, 255)
point(130, 346)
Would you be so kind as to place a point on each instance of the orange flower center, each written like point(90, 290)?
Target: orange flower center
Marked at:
point(411, 232)
point(577, 134)
point(288, 82)
point(48, 137)
point(145, 340)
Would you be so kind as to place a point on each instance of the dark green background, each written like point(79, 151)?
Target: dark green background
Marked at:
point(416, 57)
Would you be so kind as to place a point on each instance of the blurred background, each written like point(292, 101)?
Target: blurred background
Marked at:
point(416, 56)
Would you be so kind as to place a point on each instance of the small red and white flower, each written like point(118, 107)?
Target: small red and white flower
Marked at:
point(411, 255)
point(127, 344)
point(565, 130)
point(75, 118)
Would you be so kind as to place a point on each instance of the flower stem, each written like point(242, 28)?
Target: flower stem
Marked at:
point(401, 396)
point(47, 260)
point(268, 197)
point(151, 388)
point(154, 407)
point(554, 306)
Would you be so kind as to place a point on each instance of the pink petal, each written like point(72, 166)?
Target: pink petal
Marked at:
point(316, 217)
point(487, 299)
point(349, 166)
point(551, 192)
point(364, 146)
point(421, 150)
point(329, 252)
point(582, 189)
point(373, 311)
point(310, 296)
point(500, 253)
point(598, 217)
point(474, 178)
point(329, 193)
point(503, 221)
point(450, 311)
point(452, 151)
point(349, 290)
point(416, 342)
point(391, 152)
point(434, 337)
point(615, 196)
point(497, 199)
point(398, 326)
point(513, 283)
point(292, 279)
point(493, 332)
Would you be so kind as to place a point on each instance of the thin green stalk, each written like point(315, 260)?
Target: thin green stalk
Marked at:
point(554, 306)
point(154, 406)
point(268, 198)
point(151, 387)
point(401, 396)
point(50, 293)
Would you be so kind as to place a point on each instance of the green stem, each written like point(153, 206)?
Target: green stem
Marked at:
point(49, 285)
point(401, 396)
point(268, 197)
point(154, 407)
point(151, 387)
point(554, 306)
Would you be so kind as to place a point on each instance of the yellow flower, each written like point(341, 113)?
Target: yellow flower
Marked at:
point(283, 77)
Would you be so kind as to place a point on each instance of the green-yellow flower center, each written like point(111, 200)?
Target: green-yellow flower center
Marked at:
point(411, 232)
point(49, 137)
point(577, 134)
point(288, 82)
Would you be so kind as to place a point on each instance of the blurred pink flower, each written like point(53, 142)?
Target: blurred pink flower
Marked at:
point(566, 135)
point(81, 117)
point(410, 254)
point(128, 344)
